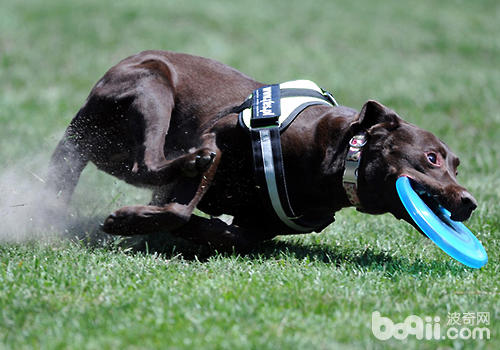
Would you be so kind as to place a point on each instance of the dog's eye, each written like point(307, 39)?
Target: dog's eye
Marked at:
point(432, 157)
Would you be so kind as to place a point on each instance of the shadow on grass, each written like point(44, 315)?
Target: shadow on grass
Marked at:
point(87, 232)
point(366, 259)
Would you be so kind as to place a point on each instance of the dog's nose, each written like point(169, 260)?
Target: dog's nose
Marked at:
point(468, 201)
point(467, 205)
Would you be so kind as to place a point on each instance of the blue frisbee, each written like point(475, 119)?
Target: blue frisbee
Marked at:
point(453, 237)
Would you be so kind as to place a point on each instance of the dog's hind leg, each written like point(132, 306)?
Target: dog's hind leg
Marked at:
point(151, 113)
point(186, 193)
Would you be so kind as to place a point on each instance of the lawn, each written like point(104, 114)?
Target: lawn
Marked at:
point(435, 62)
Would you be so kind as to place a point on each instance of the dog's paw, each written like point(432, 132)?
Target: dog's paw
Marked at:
point(198, 162)
point(138, 220)
point(131, 220)
point(125, 221)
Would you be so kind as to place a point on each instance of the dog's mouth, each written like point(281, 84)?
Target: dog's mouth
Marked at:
point(437, 202)
point(431, 200)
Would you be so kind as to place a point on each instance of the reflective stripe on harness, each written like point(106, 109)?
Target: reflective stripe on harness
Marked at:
point(272, 109)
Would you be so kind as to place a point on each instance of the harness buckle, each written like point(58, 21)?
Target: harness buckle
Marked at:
point(329, 96)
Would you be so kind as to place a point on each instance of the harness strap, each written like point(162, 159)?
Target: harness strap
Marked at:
point(261, 115)
point(295, 113)
point(303, 92)
point(270, 175)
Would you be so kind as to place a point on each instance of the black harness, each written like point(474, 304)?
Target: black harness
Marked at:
point(261, 114)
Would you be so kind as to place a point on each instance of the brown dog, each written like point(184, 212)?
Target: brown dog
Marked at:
point(166, 121)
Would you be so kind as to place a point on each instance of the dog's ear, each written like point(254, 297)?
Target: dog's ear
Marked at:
point(374, 113)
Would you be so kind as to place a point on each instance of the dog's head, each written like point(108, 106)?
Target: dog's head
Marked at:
point(396, 148)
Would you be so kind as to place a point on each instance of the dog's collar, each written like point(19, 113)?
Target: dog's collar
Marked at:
point(352, 161)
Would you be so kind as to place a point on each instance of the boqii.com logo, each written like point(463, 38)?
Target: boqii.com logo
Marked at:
point(467, 325)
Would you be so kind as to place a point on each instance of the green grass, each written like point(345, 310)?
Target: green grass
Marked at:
point(434, 62)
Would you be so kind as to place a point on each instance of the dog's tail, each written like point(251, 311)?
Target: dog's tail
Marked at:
point(66, 164)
